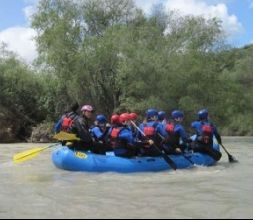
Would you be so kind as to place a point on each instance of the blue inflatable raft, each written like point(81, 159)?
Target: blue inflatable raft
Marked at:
point(67, 159)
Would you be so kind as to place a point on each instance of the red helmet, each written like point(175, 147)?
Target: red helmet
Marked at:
point(115, 119)
point(133, 116)
point(124, 117)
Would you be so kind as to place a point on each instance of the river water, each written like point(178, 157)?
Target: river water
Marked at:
point(36, 189)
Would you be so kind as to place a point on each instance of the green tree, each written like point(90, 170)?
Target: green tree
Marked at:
point(108, 53)
point(20, 90)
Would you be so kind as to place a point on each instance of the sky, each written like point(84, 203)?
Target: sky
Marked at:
point(236, 15)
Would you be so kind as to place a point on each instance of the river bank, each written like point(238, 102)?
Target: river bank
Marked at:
point(42, 133)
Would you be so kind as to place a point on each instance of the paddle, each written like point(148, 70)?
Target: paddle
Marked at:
point(230, 157)
point(64, 136)
point(167, 159)
point(29, 154)
point(181, 153)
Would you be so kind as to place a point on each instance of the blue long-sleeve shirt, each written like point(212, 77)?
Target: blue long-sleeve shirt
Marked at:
point(126, 135)
point(99, 134)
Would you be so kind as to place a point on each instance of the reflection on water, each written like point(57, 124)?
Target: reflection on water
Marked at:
point(36, 189)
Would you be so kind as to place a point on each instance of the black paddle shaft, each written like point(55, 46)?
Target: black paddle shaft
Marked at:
point(230, 157)
point(180, 154)
point(166, 158)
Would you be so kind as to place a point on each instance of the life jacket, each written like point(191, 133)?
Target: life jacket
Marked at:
point(114, 136)
point(170, 128)
point(207, 133)
point(68, 121)
point(149, 130)
point(173, 138)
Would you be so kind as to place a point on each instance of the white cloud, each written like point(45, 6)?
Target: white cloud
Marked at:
point(146, 5)
point(29, 11)
point(20, 40)
point(200, 7)
point(206, 8)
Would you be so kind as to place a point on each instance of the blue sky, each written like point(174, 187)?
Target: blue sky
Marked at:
point(11, 13)
point(237, 17)
point(243, 9)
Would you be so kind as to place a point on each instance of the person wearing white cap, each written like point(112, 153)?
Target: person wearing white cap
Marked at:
point(81, 128)
point(87, 112)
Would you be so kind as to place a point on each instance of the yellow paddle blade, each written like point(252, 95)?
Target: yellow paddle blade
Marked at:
point(27, 155)
point(64, 136)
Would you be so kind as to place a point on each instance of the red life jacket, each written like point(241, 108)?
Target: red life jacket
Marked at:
point(114, 136)
point(173, 138)
point(149, 131)
point(207, 133)
point(170, 128)
point(68, 121)
point(115, 132)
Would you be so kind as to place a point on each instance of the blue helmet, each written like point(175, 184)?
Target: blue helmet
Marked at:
point(161, 115)
point(151, 113)
point(203, 114)
point(177, 114)
point(101, 119)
